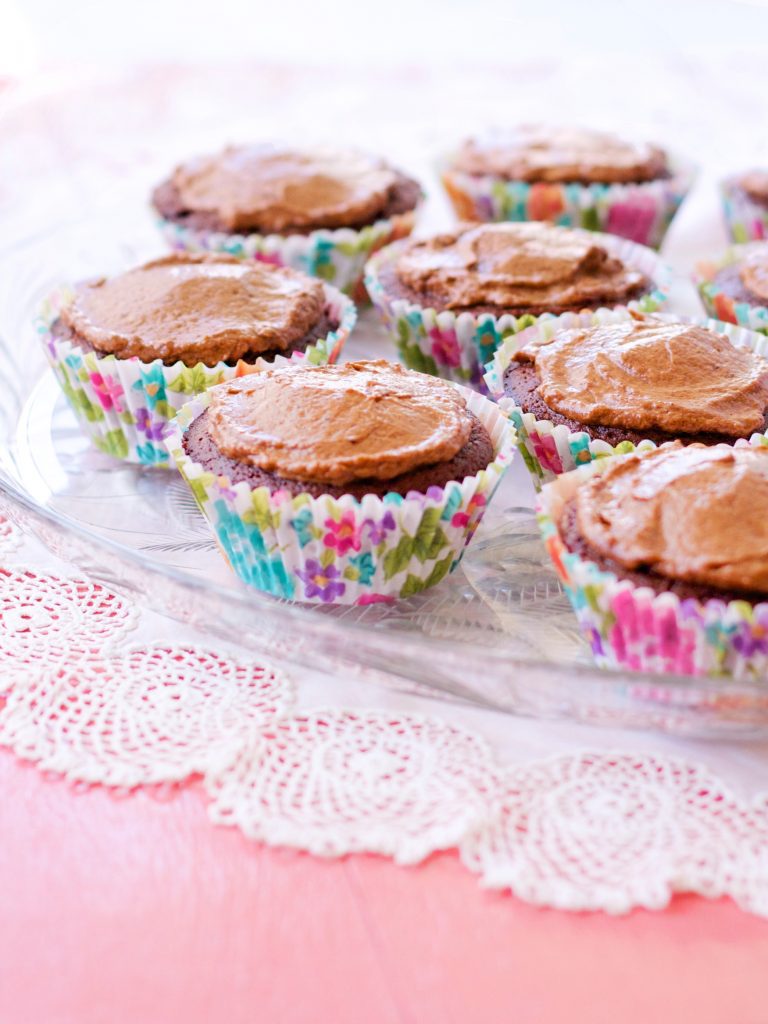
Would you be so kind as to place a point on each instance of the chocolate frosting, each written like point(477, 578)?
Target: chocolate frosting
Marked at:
point(755, 184)
point(196, 309)
point(536, 153)
point(280, 189)
point(518, 265)
point(336, 424)
point(689, 513)
point(754, 271)
point(647, 374)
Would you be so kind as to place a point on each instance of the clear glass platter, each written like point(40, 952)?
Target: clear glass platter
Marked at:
point(499, 631)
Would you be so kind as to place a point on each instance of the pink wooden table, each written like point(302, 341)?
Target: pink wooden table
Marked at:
point(127, 910)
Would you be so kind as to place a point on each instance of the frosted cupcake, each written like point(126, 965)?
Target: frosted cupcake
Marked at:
point(745, 205)
point(569, 176)
point(613, 383)
point(322, 211)
point(664, 556)
point(349, 484)
point(450, 300)
point(735, 287)
point(129, 350)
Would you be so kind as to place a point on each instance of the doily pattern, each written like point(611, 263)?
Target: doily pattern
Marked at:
point(46, 619)
point(610, 832)
point(337, 782)
point(589, 831)
point(153, 714)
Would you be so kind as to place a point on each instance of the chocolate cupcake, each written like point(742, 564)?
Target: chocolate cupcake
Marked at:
point(579, 390)
point(663, 555)
point(570, 176)
point(745, 205)
point(345, 484)
point(450, 300)
point(735, 287)
point(130, 349)
point(322, 211)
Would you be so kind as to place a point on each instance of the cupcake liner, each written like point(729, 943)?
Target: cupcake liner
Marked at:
point(125, 405)
point(457, 346)
point(632, 627)
point(549, 449)
point(343, 550)
point(641, 212)
point(722, 306)
point(745, 219)
point(336, 256)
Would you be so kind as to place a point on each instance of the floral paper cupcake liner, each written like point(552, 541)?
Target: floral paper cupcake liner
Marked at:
point(336, 256)
point(746, 220)
point(328, 550)
point(632, 627)
point(125, 405)
point(549, 449)
point(641, 212)
point(458, 346)
point(725, 307)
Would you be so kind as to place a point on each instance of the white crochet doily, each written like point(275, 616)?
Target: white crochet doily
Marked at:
point(93, 690)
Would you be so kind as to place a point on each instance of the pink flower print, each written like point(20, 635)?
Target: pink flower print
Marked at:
point(268, 257)
point(446, 349)
point(546, 452)
point(633, 219)
point(343, 535)
point(109, 391)
point(463, 519)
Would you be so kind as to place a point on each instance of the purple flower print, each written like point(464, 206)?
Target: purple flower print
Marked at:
point(109, 389)
point(751, 638)
point(377, 532)
point(321, 581)
point(154, 430)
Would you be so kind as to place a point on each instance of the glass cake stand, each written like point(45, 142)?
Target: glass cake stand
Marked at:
point(499, 631)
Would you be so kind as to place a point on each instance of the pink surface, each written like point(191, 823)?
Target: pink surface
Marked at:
point(138, 910)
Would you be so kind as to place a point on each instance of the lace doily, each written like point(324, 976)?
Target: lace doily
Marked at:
point(46, 619)
point(612, 832)
point(345, 782)
point(152, 714)
point(592, 831)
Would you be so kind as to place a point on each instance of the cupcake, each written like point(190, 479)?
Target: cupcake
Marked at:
point(129, 350)
point(449, 301)
point(586, 387)
point(570, 176)
point(735, 287)
point(745, 205)
point(322, 211)
point(664, 556)
point(347, 484)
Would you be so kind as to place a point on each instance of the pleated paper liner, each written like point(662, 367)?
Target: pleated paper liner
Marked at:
point(549, 449)
point(746, 220)
point(717, 303)
point(632, 627)
point(344, 550)
point(125, 405)
point(336, 256)
point(641, 211)
point(457, 346)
